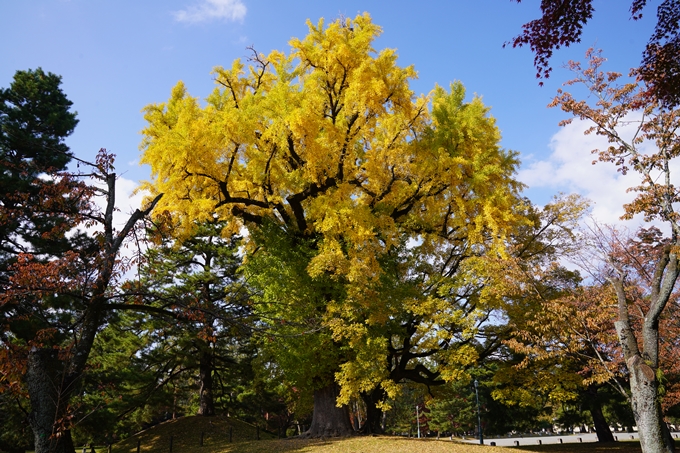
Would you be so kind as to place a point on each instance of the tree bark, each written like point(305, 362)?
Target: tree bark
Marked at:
point(654, 434)
point(373, 423)
point(604, 434)
point(49, 400)
point(205, 368)
point(643, 362)
point(329, 420)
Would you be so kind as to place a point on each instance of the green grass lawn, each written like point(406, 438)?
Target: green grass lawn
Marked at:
point(186, 438)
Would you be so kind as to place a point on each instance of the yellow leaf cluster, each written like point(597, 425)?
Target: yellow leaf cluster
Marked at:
point(329, 143)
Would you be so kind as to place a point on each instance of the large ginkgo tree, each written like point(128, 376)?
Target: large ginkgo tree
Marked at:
point(336, 169)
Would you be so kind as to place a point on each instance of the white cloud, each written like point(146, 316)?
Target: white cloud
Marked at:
point(126, 201)
point(207, 10)
point(570, 169)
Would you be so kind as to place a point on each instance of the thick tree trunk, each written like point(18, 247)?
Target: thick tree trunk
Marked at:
point(604, 434)
point(49, 396)
point(206, 401)
point(328, 419)
point(654, 434)
point(373, 423)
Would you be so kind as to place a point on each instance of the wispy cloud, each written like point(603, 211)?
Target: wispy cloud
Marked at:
point(569, 169)
point(208, 10)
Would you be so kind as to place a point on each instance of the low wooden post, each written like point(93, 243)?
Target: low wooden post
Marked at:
point(257, 432)
point(170, 444)
point(516, 443)
point(231, 432)
point(109, 449)
point(201, 443)
point(139, 445)
point(560, 440)
point(539, 442)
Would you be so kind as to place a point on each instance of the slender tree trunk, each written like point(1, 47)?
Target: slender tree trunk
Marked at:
point(356, 419)
point(328, 419)
point(49, 397)
point(604, 434)
point(205, 368)
point(373, 423)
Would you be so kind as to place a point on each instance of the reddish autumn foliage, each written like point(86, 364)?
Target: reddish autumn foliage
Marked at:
point(561, 24)
point(636, 267)
point(54, 304)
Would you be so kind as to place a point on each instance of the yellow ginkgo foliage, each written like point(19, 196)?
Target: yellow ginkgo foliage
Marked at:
point(328, 146)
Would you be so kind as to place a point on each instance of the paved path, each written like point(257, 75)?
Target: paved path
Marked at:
point(554, 439)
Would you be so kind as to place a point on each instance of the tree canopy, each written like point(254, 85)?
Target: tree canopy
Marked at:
point(327, 150)
point(35, 118)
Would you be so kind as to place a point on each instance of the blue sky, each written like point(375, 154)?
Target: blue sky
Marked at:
point(116, 57)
